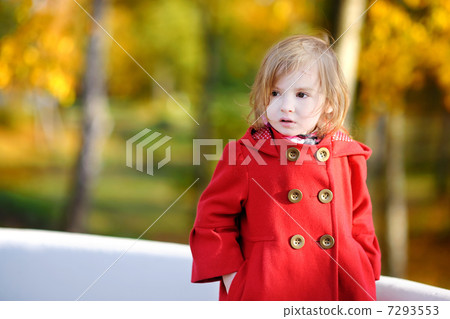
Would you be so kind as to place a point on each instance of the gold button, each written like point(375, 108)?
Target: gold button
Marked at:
point(297, 241)
point(325, 196)
point(295, 195)
point(292, 154)
point(326, 241)
point(322, 154)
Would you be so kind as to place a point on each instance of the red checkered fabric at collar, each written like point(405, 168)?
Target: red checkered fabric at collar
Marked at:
point(262, 134)
point(341, 136)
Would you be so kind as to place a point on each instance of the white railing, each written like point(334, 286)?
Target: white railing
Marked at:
point(50, 265)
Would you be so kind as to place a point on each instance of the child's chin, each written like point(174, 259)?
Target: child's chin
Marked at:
point(288, 131)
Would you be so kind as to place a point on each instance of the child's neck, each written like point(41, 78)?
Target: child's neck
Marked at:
point(309, 138)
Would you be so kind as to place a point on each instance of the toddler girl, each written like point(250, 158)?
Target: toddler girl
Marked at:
point(287, 214)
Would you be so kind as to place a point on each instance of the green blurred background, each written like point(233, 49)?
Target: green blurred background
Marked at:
point(205, 54)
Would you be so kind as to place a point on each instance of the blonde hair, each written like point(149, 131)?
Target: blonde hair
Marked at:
point(290, 55)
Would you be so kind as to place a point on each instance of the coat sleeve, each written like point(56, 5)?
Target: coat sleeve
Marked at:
point(363, 230)
point(214, 237)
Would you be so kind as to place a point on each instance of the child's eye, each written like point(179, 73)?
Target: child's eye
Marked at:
point(302, 95)
point(274, 93)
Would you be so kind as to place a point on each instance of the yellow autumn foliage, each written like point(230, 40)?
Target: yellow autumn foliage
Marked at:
point(404, 43)
point(41, 53)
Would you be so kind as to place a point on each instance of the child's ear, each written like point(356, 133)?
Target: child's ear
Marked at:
point(328, 108)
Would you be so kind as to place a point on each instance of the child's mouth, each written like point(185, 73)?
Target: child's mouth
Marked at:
point(287, 123)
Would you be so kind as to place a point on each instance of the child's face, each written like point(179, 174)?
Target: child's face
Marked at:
point(295, 102)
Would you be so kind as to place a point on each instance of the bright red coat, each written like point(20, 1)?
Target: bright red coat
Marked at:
point(245, 222)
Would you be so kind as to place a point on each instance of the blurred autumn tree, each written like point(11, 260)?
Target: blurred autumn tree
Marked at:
point(51, 53)
point(407, 45)
point(40, 50)
point(348, 45)
point(96, 124)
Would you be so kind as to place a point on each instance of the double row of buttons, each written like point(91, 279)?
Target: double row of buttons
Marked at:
point(324, 196)
point(322, 154)
point(295, 195)
point(326, 241)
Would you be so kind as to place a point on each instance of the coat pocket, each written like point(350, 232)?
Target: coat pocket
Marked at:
point(253, 279)
point(237, 285)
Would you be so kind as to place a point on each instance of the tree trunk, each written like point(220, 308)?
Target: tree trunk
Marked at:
point(96, 127)
point(376, 139)
point(397, 215)
point(442, 157)
point(348, 46)
point(212, 62)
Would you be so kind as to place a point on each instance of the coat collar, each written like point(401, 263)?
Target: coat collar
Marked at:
point(340, 144)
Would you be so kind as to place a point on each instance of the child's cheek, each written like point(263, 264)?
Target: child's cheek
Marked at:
point(309, 108)
point(270, 111)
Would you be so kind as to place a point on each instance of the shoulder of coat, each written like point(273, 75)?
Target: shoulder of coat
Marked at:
point(344, 145)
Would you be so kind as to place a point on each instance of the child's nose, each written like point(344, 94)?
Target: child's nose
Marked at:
point(287, 105)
